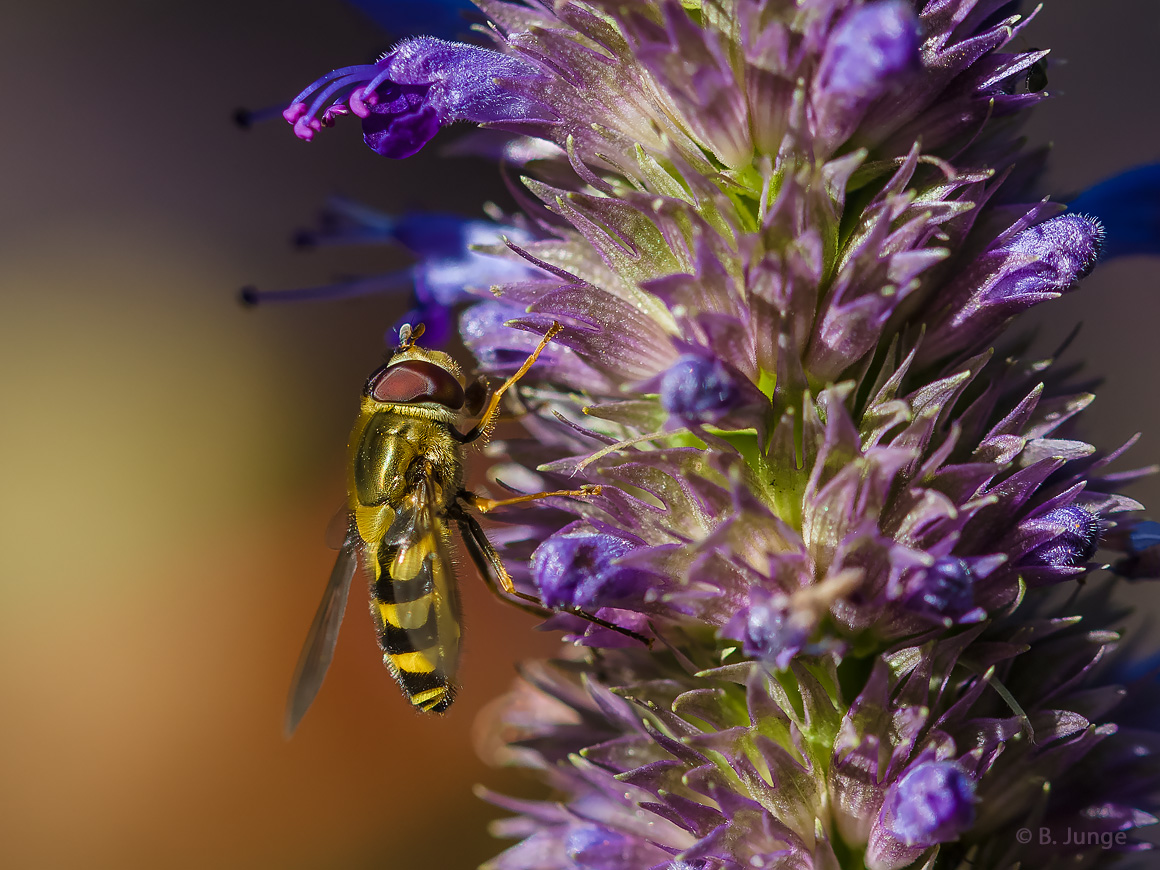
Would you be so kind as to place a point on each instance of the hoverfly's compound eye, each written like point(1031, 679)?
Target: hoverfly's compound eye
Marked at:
point(415, 380)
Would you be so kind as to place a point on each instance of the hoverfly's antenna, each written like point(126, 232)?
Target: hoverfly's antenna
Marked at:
point(408, 335)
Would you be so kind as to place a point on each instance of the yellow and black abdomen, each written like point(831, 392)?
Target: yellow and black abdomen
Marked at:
point(416, 612)
point(402, 468)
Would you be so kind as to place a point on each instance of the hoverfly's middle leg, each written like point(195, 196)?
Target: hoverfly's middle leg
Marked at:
point(495, 575)
point(484, 505)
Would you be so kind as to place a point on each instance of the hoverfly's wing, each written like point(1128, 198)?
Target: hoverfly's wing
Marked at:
point(314, 660)
point(338, 527)
point(445, 585)
point(416, 602)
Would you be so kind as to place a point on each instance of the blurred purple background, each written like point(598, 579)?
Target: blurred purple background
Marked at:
point(171, 461)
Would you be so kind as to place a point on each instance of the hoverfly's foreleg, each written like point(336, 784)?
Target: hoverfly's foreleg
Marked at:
point(483, 505)
point(495, 575)
point(486, 423)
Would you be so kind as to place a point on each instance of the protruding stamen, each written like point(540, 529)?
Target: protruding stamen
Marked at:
point(251, 296)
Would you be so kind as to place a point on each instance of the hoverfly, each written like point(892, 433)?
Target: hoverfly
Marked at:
point(404, 484)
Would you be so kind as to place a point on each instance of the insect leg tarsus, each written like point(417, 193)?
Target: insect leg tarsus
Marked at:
point(604, 623)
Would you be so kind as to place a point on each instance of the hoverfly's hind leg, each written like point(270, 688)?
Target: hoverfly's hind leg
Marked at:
point(486, 423)
point(492, 570)
point(495, 575)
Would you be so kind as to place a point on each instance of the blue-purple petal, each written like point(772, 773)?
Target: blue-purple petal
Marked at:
point(404, 17)
point(1128, 205)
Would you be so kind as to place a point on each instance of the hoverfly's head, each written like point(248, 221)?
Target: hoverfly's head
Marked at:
point(423, 379)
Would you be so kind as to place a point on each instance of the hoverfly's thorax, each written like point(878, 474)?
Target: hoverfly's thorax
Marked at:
point(381, 459)
point(391, 450)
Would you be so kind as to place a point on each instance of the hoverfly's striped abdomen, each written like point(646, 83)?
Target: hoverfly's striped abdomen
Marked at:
point(417, 623)
point(400, 479)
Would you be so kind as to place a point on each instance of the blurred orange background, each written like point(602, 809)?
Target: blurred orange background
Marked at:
point(171, 461)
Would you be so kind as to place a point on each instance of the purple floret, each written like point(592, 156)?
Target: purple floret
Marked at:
point(769, 629)
point(1075, 536)
point(945, 590)
point(580, 569)
point(868, 53)
point(1034, 265)
point(933, 802)
point(699, 389)
point(422, 85)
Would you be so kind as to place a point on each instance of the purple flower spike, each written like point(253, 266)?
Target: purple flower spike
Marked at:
point(422, 85)
point(770, 249)
point(945, 590)
point(932, 803)
point(581, 570)
point(870, 51)
point(1035, 265)
point(699, 389)
point(1075, 540)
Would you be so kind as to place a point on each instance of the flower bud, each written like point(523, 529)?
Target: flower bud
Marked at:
point(1076, 538)
point(945, 591)
point(769, 629)
point(1035, 265)
point(699, 389)
point(933, 802)
point(868, 52)
point(581, 570)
